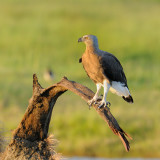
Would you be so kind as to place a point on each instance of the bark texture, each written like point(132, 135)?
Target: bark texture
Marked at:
point(31, 141)
point(86, 94)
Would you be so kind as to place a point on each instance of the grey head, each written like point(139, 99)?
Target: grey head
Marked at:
point(89, 40)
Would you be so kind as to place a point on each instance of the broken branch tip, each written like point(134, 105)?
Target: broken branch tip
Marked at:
point(65, 78)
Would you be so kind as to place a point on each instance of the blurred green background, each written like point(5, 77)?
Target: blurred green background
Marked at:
point(36, 35)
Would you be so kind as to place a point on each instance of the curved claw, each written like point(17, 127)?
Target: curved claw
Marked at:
point(100, 106)
point(104, 104)
point(94, 101)
point(90, 102)
point(108, 104)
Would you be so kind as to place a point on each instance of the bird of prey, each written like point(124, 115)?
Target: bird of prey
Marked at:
point(105, 70)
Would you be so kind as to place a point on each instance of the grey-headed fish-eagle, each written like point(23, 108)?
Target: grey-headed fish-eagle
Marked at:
point(105, 70)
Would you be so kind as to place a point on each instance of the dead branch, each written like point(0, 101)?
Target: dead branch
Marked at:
point(30, 140)
point(86, 94)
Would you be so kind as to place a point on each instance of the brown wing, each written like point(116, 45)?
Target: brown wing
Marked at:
point(112, 68)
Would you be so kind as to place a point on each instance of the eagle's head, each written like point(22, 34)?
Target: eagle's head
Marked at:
point(89, 40)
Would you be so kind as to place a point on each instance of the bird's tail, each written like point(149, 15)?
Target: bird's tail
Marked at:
point(129, 99)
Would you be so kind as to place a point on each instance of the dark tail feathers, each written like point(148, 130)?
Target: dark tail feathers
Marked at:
point(129, 99)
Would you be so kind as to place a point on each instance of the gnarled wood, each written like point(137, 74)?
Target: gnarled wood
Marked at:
point(30, 139)
point(86, 94)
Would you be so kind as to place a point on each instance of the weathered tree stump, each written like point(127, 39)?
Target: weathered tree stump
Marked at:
point(31, 141)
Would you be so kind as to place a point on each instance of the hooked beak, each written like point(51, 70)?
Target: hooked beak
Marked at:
point(80, 39)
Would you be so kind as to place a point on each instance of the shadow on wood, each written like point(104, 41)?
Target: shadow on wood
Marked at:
point(31, 141)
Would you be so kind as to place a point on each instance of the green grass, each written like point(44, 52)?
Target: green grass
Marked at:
point(36, 35)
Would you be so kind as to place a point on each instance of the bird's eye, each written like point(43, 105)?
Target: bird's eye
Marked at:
point(85, 37)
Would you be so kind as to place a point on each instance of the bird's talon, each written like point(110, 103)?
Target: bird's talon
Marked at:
point(108, 104)
point(90, 103)
point(104, 104)
point(100, 106)
point(95, 102)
